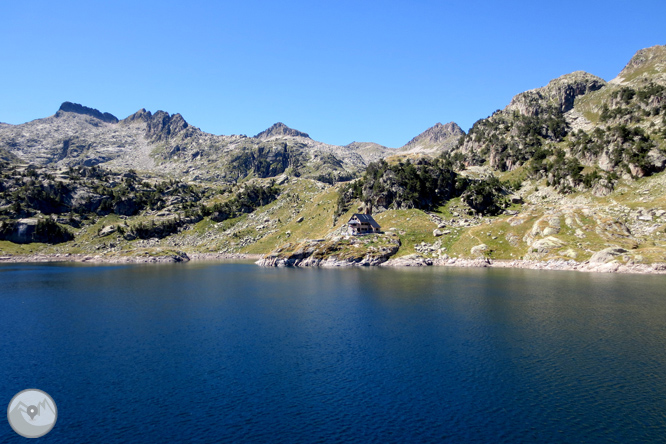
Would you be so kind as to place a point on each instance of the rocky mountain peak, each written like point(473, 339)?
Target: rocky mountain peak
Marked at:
point(69, 107)
point(559, 93)
point(159, 126)
point(437, 134)
point(140, 116)
point(646, 62)
point(162, 125)
point(280, 130)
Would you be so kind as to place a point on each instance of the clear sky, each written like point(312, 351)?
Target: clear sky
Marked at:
point(341, 71)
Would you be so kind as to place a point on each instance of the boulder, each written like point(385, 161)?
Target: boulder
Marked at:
point(479, 249)
point(602, 188)
point(109, 229)
point(547, 244)
point(606, 255)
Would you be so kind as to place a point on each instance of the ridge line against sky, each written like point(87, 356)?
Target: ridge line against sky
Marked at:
point(340, 71)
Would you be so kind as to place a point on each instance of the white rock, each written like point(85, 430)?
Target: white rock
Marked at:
point(109, 229)
point(479, 249)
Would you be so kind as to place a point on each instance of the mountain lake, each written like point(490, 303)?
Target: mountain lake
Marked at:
point(232, 352)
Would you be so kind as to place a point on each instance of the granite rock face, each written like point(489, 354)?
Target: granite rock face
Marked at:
point(161, 126)
point(560, 93)
point(28, 230)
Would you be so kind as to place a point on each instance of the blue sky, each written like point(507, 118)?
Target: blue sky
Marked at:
point(341, 71)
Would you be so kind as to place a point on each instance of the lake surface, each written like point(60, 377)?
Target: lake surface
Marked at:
point(231, 352)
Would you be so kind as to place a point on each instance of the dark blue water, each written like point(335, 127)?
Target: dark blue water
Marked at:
point(238, 353)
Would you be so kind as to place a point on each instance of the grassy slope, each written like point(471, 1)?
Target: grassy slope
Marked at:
point(583, 227)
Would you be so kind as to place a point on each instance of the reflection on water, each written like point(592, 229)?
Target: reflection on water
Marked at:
point(234, 352)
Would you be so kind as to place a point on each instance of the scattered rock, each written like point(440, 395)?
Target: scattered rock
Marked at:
point(411, 260)
point(512, 239)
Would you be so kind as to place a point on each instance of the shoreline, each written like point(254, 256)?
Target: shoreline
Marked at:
point(418, 261)
point(411, 261)
point(561, 265)
point(139, 259)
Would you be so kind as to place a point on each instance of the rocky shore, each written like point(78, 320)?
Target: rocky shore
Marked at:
point(416, 260)
point(587, 266)
point(413, 260)
point(311, 261)
point(171, 257)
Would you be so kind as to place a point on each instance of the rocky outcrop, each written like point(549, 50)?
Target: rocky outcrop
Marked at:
point(280, 130)
point(140, 116)
point(161, 126)
point(309, 261)
point(369, 250)
point(107, 230)
point(560, 93)
point(69, 107)
point(607, 254)
point(411, 260)
point(28, 230)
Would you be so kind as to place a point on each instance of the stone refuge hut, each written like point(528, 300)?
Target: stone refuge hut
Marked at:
point(362, 224)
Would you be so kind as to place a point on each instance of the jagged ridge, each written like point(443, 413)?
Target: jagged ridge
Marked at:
point(70, 107)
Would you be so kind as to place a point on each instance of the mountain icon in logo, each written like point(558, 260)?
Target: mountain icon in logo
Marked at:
point(32, 413)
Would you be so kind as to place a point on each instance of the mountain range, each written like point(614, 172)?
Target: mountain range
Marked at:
point(563, 172)
point(167, 144)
